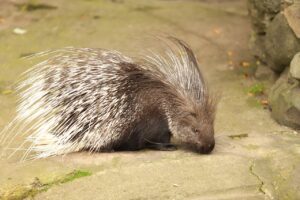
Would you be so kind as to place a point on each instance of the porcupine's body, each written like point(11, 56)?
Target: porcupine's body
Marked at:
point(99, 100)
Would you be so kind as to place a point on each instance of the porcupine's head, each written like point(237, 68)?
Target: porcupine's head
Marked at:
point(193, 126)
point(189, 107)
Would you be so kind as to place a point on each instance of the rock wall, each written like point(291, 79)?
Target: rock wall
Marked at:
point(275, 40)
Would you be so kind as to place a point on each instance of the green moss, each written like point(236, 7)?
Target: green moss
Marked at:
point(145, 8)
point(239, 136)
point(6, 92)
point(5, 88)
point(75, 175)
point(20, 192)
point(253, 102)
point(24, 55)
point(32, 5)
point(257, 89)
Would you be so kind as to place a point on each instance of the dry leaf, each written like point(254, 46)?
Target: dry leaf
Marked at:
point(264, 102)
point(245, 64)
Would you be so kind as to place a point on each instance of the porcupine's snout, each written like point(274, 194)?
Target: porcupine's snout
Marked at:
point(205, 147)
point(199, 139)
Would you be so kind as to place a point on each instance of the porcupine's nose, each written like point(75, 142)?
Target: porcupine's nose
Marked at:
point(206, 147)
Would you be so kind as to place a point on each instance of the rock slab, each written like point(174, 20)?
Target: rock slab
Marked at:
point(284, 100)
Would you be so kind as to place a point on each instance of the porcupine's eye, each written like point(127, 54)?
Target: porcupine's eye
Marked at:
point(193, 114)
point(195, 130)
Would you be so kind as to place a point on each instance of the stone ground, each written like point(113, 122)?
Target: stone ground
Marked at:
point(254, 158)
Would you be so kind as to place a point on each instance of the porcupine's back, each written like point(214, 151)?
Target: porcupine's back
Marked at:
point(74, 101)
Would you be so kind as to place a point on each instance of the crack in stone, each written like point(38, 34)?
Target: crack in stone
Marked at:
point(261, 185)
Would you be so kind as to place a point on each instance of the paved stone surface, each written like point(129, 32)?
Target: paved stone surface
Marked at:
point(254, 158)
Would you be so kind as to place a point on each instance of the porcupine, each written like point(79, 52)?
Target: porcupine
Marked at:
point(101, 100)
